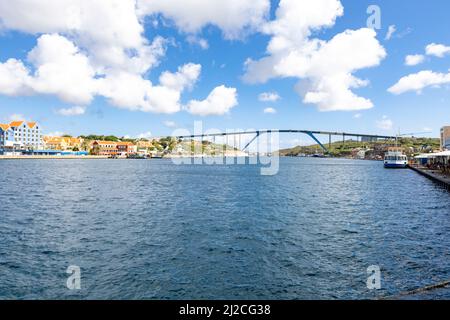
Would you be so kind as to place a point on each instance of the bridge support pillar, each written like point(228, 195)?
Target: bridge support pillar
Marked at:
point(318, 142)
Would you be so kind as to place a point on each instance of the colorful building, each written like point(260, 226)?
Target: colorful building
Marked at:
point(125, 149)
point(144, 144)
point(445, 138)
point(20, 135)
point(62, 143)
point(6, 137)
point(104, 148)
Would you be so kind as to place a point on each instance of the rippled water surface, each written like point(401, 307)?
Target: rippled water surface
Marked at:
point(154, 230)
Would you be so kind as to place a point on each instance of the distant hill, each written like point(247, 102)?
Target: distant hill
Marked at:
point(338, 149)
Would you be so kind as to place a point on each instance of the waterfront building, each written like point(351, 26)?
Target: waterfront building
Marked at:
point(62, 143)
point(6, 138)
point(144, 144)
point(20, 135)
point(125, 149)
point(104, 148)
point(445, 138)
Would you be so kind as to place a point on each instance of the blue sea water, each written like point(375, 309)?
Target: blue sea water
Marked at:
point(149, 229)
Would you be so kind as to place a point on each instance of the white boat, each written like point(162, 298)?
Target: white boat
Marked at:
point(395, 160)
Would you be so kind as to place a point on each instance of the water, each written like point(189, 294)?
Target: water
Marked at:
point(153, 230)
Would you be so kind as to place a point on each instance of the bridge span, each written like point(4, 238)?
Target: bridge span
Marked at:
point(312, 134)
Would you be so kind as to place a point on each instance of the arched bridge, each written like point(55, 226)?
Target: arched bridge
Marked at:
point(312, 134)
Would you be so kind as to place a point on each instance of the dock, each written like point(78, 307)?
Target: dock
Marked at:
point(437, 176)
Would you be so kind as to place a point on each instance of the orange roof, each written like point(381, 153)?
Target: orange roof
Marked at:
point(4, 126)
point(16, 123)
point(31, 125)
point(125, 144)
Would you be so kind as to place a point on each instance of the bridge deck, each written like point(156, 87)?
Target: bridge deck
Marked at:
point(258, 132)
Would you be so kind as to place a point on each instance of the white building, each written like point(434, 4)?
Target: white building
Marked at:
point(22, 135)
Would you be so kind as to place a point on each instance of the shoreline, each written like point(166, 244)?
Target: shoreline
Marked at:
point(433, 175)
point(51, 157)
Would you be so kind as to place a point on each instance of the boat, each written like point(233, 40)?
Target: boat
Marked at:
point(395, 160)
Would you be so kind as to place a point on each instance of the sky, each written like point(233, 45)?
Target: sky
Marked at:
point(147, 67)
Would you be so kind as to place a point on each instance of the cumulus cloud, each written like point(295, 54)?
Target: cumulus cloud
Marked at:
point(87, 48)
point(73, 111)
point(185, 78)
point(219, 102)
point(325, 67)
point(132, 92)
point(385, 124)
point(145, 135)
point(414, 60)
point(110, 31)
point(233, 17)
point(269, 97)
point(201, 42)
point(270, 110)
point(14, 78)
point(437, 50)
point(419, 81)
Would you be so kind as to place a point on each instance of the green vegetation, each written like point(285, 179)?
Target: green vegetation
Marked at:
point(340, 149)
point(103, 138)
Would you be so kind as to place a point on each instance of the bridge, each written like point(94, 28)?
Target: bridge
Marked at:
point(312, 134)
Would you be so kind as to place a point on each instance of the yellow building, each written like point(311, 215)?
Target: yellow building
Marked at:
point(104, 148)
point(144, 144)
point(62, 143)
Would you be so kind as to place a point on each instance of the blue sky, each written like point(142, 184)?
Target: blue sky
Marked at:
point(417, 24)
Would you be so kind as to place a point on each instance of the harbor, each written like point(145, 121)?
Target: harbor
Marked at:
point(155, 230)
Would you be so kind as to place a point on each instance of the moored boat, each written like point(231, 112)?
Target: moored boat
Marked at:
point(395, 160)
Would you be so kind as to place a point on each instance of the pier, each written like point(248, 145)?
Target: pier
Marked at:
point(436, 176)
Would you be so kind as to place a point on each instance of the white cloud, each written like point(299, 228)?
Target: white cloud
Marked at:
point(233, 17)
point(185, 78)
point(201, 42)
point(73, 111)
point(419, 81)
point(270, 110)
point(62, 70)
point(392, 29)
point(269, 97)
point(413, 60)
point(219, 102)
point(145, 135)
point(385, 124)
point(55, 134)
point(96, 47)
point(438, 50)
point(357, 116)
point(14, 78)
point(17, 117)
point(326, 67)
point(109, 31)
point(170, 124)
